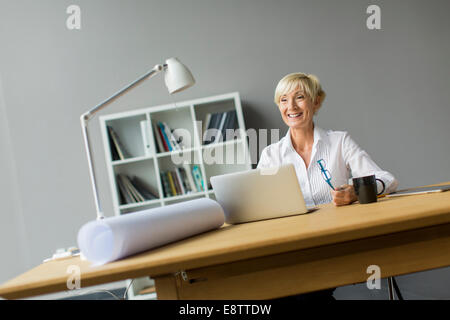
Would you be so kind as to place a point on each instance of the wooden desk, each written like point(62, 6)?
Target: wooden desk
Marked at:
point(328, 248)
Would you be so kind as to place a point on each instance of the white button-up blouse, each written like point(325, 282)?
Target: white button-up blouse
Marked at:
point(344, 159)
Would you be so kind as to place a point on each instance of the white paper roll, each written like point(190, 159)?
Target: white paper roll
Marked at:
point(110, 239)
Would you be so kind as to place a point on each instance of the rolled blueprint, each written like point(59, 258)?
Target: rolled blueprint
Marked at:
point(110, 239)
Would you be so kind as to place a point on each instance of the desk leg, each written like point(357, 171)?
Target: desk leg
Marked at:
point(166, 287)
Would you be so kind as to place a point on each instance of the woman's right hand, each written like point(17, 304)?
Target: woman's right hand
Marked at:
point(344, 195)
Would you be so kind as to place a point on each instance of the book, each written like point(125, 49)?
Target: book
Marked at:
point(166, 146)
point(171, 184)
point(197, 178)
point(114, 154)
point(206, 123)
point(230, 124)
point(119, 147)
point(165, 184)
point(165, 137)
point(128, 193)
point(115, 143)
point(180, 181)
point(219, 136)
point(190, 178)
point(184, 179)
point(143, 188)
point(176, 182)
point(136, 195)
point(126, 196)
point(172, 140)
point(159, 142)
point(179, 139)
point(211, 131)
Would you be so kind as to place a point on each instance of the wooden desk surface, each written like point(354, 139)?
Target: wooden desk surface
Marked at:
point(328, 225)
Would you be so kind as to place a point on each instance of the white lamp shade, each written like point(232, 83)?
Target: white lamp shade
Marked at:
point(177, 76)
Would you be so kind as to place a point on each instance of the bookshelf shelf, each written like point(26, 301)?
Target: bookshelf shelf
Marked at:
point(165, 154)
point(220, 144)
point(130, 160)
point(139, 160)
point(185, 196)
point(140, 204)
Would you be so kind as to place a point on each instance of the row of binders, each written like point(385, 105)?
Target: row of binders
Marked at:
point(216, 125)
point(182, 180)
point(133, 190)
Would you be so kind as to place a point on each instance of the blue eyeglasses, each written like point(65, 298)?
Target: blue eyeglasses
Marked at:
point(325, 173)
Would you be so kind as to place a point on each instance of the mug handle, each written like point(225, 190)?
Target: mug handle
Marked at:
point(384, 186)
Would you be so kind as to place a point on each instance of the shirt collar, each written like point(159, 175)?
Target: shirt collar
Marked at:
point(319, 136)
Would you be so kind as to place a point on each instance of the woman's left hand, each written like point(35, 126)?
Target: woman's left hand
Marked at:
point(344, 195)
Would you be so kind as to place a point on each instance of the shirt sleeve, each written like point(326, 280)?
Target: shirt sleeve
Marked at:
point(264, 159)
point(360, 164)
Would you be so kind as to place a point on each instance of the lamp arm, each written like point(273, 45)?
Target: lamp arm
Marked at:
point(89, 114)
point(85, 117)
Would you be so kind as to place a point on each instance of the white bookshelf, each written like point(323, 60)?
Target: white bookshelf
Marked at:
point(145, 162)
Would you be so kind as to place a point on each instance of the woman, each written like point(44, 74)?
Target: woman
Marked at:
point(299, 96)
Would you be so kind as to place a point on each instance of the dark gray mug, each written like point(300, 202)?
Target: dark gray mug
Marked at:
point(366, 188)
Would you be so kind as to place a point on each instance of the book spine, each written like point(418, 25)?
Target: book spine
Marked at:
point(112, 146)
point(125, 196)
point(179, 140)
point(129, 196)
point(198, 178)
point(166, 139)
point(137, 196)
point(219, 137)
point(180, 181)
point(190, 178)
point(171, 184)
point(184, 178)
point(229, 124)
point(116, 143)
point(172, 141)
point(176, 183)
point(121, 150)
point(143, 189)
point(159, 142)
point(212, 128)
point(234, 122)
point(216, 127)
point(166, 186)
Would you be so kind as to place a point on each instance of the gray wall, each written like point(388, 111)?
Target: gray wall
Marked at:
point(388, 88)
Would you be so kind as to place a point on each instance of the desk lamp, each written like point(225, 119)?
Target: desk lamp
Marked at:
point(177, 78)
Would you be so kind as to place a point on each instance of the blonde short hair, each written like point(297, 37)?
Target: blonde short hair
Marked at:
point(308, 83)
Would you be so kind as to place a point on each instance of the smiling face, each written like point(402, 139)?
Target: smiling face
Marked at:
point(297, 109)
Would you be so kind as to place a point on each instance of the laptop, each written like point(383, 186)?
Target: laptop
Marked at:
point(259, 194)
point(420, 190)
